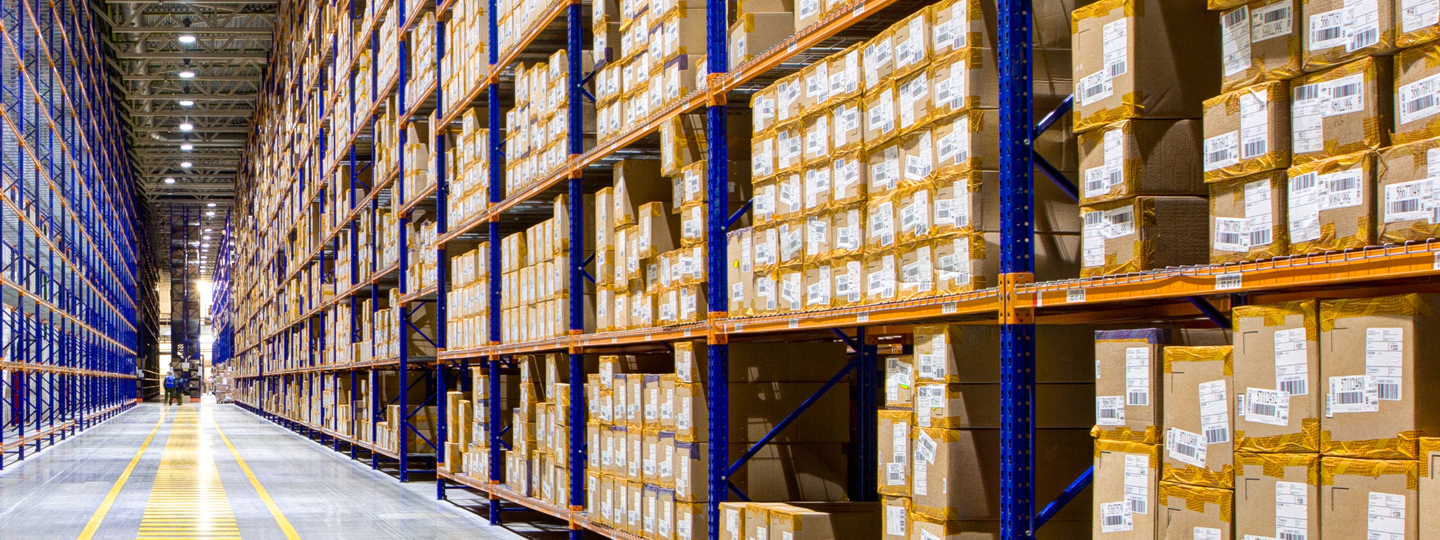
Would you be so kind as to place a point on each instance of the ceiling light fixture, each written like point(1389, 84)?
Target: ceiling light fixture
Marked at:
point(187, 147)
point(211, 205)
point(169, 180)
point(187, 37)
point(210, 214)
point(208, 230)
point(187, 103)
point(186, 126)
point(185, 164)
point(187, 74)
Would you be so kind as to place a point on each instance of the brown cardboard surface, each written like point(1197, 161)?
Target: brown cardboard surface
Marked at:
point(1354, 491)
point(960, 478)
point(1247, 131)
point(824, 521)
point(1268, 486)
point(1141, 157)
point(1199, 401)
point(1320, 130)
point(894, 452)
point(1354, 345)
point(1277, 349)
point(899, 381)
point(1132, 503)
point(1330, 52)
point(1127, 384)
point(1144, 233)
point(1414, 120)
point(1185, 508)
point(1163, 77)
point(977, 406)
point(1405, 213)
point(1274, 33)
point(1247, 218)
point(895, 518)
point(971, 353)
point(793, 472)
point(1429, 490)
point(1330, 204)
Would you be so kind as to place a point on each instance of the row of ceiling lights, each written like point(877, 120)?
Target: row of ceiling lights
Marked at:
point(186, 126)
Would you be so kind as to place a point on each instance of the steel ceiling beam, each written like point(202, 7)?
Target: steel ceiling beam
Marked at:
point(194, 30)
point(237, 55)
point(197, 114)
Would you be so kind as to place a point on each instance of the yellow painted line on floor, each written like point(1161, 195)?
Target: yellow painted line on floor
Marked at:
point(280, 520)
point(94, 524)
point(188, 499)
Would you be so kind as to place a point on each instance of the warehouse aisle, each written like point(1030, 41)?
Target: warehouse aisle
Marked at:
point(143, 476)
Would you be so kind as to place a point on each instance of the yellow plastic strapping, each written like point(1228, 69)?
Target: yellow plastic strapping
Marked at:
point(1196, 497)
point(1405, 305)
point(1275, 315)
point(1148, 435)
point(1306, 441)
point(1102, 8)
point(1404, 445)
point(1331, 467)
point(1214, 353)
point(1129, 447)
point(1199, 476)
point(1274, 465)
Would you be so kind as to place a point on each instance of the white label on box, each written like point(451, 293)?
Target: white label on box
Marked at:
point(1344, 95)
point(1116, 517)
point(1271, 21)
point(927, 535)
point(1116, 47)
point(1327, 30)
point(1417, 100)
point(1137, 376)
point(1259, 213)
point(1385, 360)
point(1362, 24)
point(1206, 533)
point(1137, 483)
point(931, 366)
point(1185, 447)
point(900, 446)
point(1410, 201)
point(895, 520)
point(1092, 243)
point(1307, 122)
point(1352, 394)
point(925, 448)
point(1232, 234)
point(1235, 41)
point(1120, 222)
point(1267, 406)
point(1220, 151)
point(1304, 208)
point(1254, 123)
point(919, 478)
point(1110, 410)
point(1292, 362)
point(895, 474)
point(1418, 14)
point(1214, 412)
point(1386, 517)
point(1093, 87)
point(1292, 516)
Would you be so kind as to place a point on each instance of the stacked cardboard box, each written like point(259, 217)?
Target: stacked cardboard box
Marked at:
point(420, 238)
point(476, 460)
point(421, 42)
point(648, 273)
point(468, 299)
point(1137, 104)
point(798, 521)
point(1406, 190)
point(537, 132)
point(652, 52)
point(467, 58)
point(535, 280)
point(469, 167)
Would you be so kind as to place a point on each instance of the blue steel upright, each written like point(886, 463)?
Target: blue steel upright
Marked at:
point(574, 29)
point(717, 215)
point(1017, 266)
point(492, 109)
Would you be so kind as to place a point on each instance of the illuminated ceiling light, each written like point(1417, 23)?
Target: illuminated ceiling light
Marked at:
point(208, 230)
point(206, 237)
point(187, 103)
point(187, 74)
point(169, 180)
point(211, 205)
point(204, 245)
point(185, 164)
point(187, 147)
point(186, 126)
point(210, 214)
point(187, 39)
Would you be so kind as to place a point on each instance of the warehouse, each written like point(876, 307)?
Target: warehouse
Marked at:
point(720, 270)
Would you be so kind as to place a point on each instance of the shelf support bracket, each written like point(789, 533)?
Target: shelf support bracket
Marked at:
point(1210, 311)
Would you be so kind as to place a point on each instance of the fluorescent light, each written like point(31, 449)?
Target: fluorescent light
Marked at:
point(204, 245)
point(187, 74)
point(186, 38)
point(185, 164)
point(206, 237)
point(187, 103)
point(169, 180)
point(187, 147)
point(186, 126)
point(208, 230)
point(211, 205)
point(210, 214)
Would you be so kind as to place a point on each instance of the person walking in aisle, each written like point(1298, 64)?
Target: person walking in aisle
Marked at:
point(170, 392)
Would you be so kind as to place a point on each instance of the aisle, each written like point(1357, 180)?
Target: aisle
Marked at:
point(173, 472)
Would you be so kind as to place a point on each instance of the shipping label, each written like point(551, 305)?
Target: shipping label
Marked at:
point(1214, 412)
point(1292, 362)
point(1292, 516)
point(1386, 517)
point(1385, 360)
point(1185, 447)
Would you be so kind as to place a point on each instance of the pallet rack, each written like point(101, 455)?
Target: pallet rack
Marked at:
point(298, 93)
point(70, 277)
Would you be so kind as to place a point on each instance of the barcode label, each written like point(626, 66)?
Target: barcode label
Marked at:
point(1185, 447)
point(1295, 387)
point(1075, 295)
point(1110, 410)
point(1116, 517)
point(1267, 406)
point(1225, 282)
point(1309, 91)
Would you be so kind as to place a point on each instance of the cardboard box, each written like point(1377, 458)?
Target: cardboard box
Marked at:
point(1368, 498)
point(637, 181)
point(1141, 157)
point(895, 518)
point(916, 209)
point(1429, 491)
point(1416, 108)
point(912, 39)
point(881, 114)
point(847, 131)
point(962, 264)
point(1417, 24)
point(963, 81)
point(1277, 495)
point(755, 33)
point(1247, 218)
point(1336, 32)
point(690, 471)
point(1247, 131)
point(1277, 378)
point(881, 281)
point(1126, 484)
point(1128, 369)
point(1143, 233)
point(1380, 399)
point(913, 96)
point(1409, 200)
point(970, 353)
point(1341, 110)
point(817, 284)
point(1195, 512)
point(1262, 41)
point(1331, 204)
point(958, 23)
point(848, 276)
point(879, 61)
point(1130, 61)
point(1199, 447)
point(894, 452)
point(740, 271)
point(950, 466)
point(824, 521)
point(794, 472)
point(691, 521)
point(967, 142)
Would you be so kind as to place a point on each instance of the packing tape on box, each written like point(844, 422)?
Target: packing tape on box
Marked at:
point(1129, 447)
point(1405, 445)
point(1431, 56)
point(1275, 315)
point(1142, 250)
point(1307, 440)
point(1328, 241)
point(1416, 230)
point(1196, 497)
point(1405, 305)
point(1428, 445)
point(1150, 435)
point(1424, 35)
point(1151, 336)
point(1274, 465)
point(971, 165)
point(975, 58)
point(1129, 108)
point(1374, 468)
point(1130, 168)
point(1216, 353)
point(1276, 95)
point(1199, 476)
point(1103, 8)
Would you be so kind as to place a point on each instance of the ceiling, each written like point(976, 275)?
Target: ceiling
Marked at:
point(186, 73)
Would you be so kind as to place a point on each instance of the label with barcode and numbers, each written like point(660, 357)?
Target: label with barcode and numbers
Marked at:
point(1235, 41)
point(1205, 533)
point(1292, 362)
point(1137, 483)
point(895, 520)
point(925, 448)
point(1214, 412)
point(1110, 410)
point(1341, 189)
point(919, 478)
point(1254, 123)
point(1116, 517)
point(1385, 360)
point(1137, 376)
point(1344, 95)
point(1327, 30)
point(1099, 180)
point(1267, 406)
point(900, 448)
point(1292, 517)
point(1418, 100)
point(1220, 151)
point(1362, 23)
point(1272, 21)
point(1115, 47)
point(1385, 519)
point(1412, 201)
point(1418, 14)
point(1185, 447)
point(1304, 208)
point(1307, 120)
point(1352, 394)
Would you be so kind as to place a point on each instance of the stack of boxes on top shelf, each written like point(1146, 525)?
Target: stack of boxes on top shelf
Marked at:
point(420, 237)
point(939, 437)
point(468, 300)
point(468, 168)
point(648, 442)
point(467, 45)
point(419, 158)
point(422, 54)
point(650, 53)
point(1315, 426)
point(537, 138)
point(535, 280)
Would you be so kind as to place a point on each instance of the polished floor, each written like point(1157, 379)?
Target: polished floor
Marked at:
point(216, 472)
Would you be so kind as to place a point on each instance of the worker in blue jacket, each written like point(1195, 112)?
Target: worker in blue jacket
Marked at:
point(170, 393)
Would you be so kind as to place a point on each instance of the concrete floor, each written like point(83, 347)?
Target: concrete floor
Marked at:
point(320, 493)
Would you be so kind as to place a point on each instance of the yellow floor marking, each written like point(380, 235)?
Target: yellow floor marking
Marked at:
point(280, 520)
point(94, 524)
point(188, 499)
